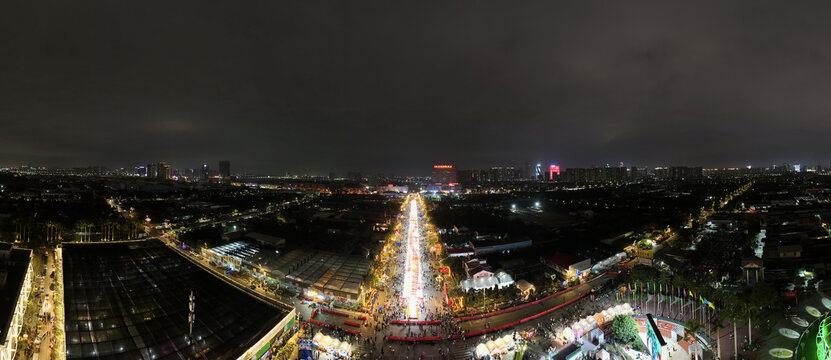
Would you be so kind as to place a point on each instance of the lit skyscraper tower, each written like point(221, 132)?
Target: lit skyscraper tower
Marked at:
point(553, 170)
point(444, 174)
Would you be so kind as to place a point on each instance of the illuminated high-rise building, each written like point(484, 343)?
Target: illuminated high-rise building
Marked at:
point(163, 170)
point(553, 170)
point(444, 174)
point(151, 171)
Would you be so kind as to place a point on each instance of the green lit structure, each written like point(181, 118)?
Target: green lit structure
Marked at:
point(824, 339)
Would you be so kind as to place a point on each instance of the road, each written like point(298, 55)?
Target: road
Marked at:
point(47, 306)
point(217, 219)
point(497, 320)
point(419, 286)
point(415, 271)
point(412, 256)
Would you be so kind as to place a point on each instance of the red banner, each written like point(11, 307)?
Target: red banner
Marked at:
point(518, 307)
point(353, 332)
point(333, 312)
point(485, 331)
point(415, 322)
point(414, 339)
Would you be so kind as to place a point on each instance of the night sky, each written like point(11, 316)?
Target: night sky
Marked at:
point(308, 86)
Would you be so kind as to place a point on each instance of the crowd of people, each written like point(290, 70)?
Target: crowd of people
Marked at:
point(389, 305)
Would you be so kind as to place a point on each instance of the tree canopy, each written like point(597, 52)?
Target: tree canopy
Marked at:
point(625, 329)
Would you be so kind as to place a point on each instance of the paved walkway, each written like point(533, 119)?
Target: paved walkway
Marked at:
point(786, 332)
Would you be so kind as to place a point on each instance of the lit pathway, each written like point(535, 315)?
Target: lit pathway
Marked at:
point(413, 296)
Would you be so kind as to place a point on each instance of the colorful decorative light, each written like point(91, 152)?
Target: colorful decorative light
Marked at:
point(823, 340)
point(412, 290)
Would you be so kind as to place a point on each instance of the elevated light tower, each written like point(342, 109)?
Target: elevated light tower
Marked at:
point(192, 313)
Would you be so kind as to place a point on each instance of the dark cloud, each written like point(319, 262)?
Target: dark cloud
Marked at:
point(389, 87)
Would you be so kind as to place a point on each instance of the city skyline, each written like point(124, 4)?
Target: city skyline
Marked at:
point(705, 84)
point(200, 169)
point(427, 180)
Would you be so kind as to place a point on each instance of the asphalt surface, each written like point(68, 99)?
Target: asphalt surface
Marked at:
point(44, 350)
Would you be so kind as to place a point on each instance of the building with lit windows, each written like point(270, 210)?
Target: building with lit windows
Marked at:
point(552, 171)
point(163, 170)
point(159, 170)
point(444, 174)
point(15, 284)
point(151, 171)
point(568, 266)
point(594, 175)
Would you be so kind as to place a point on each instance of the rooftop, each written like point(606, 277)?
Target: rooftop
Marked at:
point(15, 268)
point(266, 239)
point(130, 300)
point(563, 260)
point(500, 279)
point(324, 270)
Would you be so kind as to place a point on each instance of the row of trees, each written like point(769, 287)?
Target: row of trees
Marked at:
point(41, 232)
point(758, 304)
point(489, 297)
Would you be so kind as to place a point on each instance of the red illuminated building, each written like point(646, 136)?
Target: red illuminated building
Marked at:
point(553, 169)
point(444, 174)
